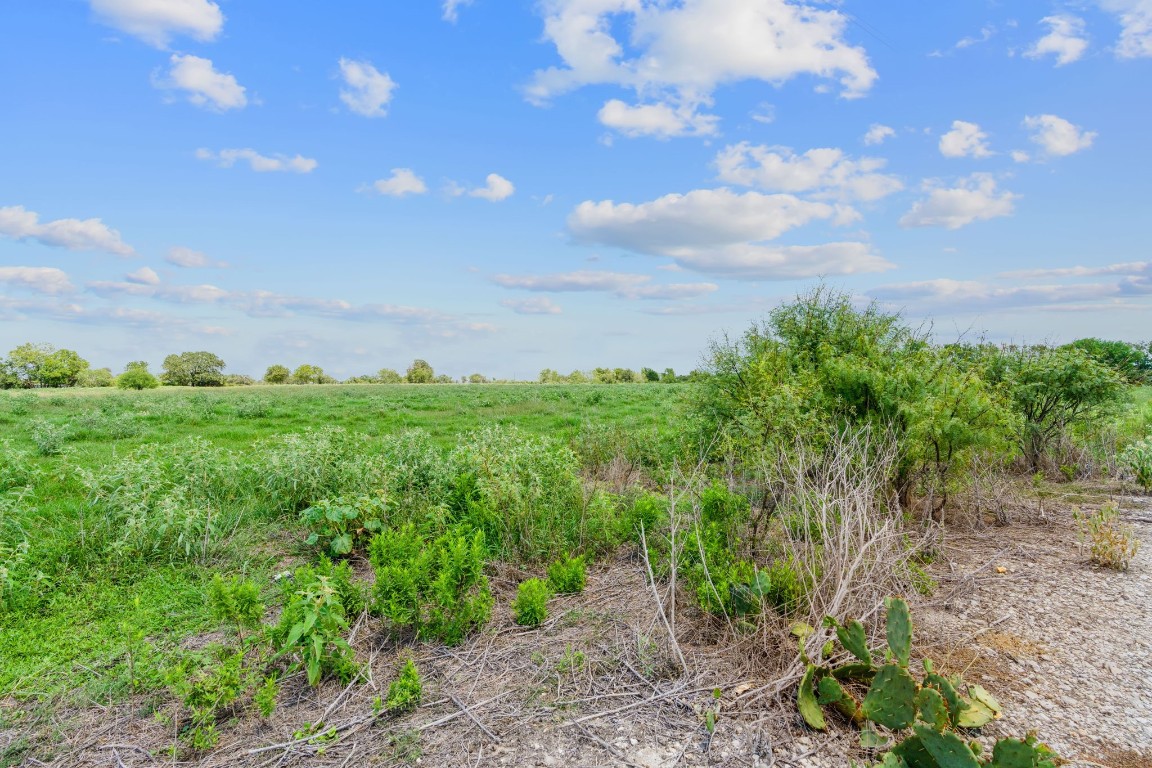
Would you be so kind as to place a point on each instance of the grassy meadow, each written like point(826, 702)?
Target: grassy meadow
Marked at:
point(72, 628)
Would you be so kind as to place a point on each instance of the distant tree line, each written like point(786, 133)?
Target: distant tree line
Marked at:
point(42, 365)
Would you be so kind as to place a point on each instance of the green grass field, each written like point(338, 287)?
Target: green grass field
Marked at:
point(73, 638)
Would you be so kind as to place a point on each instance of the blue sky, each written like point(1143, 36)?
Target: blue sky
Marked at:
point(506, 186)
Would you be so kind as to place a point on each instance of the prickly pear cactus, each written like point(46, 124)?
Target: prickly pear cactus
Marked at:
point(806, 700)
point(891, 701)
point(899, 630)
point(947, 749)
point(852, 637)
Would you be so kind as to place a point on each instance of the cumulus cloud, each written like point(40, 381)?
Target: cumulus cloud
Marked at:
point(202, 84)
point(625, 285)
point(403, 181)
point(717, 231)
point(226, 158)
point(47, 280)
point(877, 133)
point(659, 120)
point(74, 234)
point(974, 198)
point(1135, 18)
point(156, 22)
point(495, 189)
point(143, 276)
point(1065, 40)
point(451, 9)
point(964, 140)
point(190, 259)
point(537, 305)
point(824, 172)
point(678, 54)
point(367, 91)
point(1056, 136)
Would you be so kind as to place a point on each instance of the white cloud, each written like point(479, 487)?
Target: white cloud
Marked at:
point(1065, 40)
point(1020, 156)
point(825, 171)
point(226, 158)
point(975, 295)
point(964, 140)
point(987, 32)
point(143, 276)
point(403, 181)
point(496, 188)
point(684, 51)
point(1057, 136)
point(659, 120)
point(190, 259)
point(975, 198)
point(1123, 268)
point(537, 305)
point(452, 8)
point(1136, 27)
point(73, 234)
point(157, 21)
point(877, 133)
point(625, 285)
point(48, 280)
point(202, 84)
point(722, 232)
point(368, 90)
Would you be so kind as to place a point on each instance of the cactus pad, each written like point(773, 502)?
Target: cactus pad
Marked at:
point(933, 709)
point(852, 637)
point(891, 701)
point(946, 689)
point(979, 709)
point(806, 701)
point(829, 691)
point(899, 630)
point(947, 749)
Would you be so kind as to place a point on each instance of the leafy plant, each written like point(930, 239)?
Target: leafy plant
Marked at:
point(344, 523)
point(405, 691)
point(265, 696)
point(1112, 543)
point(312, 626)
point(205, 689)
point(567, 576)
point(48, 438)
point(936, 709)
point(235, 601)
point(531, 605)
point(437, 587)
point(1138, 458)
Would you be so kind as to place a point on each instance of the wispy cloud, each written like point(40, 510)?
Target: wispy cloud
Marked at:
point(226, 158)
point(19, 223)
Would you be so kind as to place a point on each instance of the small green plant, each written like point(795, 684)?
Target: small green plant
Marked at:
point(438, 587)
point(48, 438)
point(134, 640)
point(235, 601)
point(1138, 458)
point(265, 696)
point(531, 605)
point(568, 576)
point(312, 626)
point(205, 689)
point(935, 709)
point(343, 524)
point(405, 691)
point(1112, 543)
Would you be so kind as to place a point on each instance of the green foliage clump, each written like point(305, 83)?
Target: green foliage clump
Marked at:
point(405, 691)
point(205, 688)
point(531, 605)
point(568, 576)
point(193, 369)
point(436, 587)
point(235, 601)
point(648, 512)
point(1138, 458)
point(136, 376)
point(315, 616)
point(1112, 543)
point(48, 438)
point(934, 708)
point(345, 523)
point(265, 696)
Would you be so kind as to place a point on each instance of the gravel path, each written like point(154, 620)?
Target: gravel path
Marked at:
point(1065, 645)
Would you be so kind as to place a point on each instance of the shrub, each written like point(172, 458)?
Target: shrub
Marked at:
point(48, 438)
point(648, 511)
point(205, 689)
point(405, 691)
point(567, 576)
point(17, 469)
point(1112, 543)
point(235, 601)
point(291, 472)
point(438, 588)
point(343, 524)
point(531, 605)
point(137, 378)
point(1138, 458)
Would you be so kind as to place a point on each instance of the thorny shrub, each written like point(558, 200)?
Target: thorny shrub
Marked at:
point(1112, 543)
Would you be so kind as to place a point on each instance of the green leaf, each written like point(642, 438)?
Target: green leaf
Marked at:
point(342, 544)
point(806, 701)
point(829, 691)
point(312, 539)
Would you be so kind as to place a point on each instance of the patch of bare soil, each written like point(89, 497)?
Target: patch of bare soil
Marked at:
point(1065, 646)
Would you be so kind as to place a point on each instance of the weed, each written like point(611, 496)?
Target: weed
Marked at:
point(48, 438)
point(405, 691)
point(312, 624)
point(1138, 458)
point(343, 524)
point(235, 601)
point(1112, 543)
point(265, 696)
point(531, 605)
point(567, 576)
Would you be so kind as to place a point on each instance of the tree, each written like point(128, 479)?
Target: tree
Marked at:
point(624, 375)
point(42, 365)
point(193, 369)
point(649, 375)
point(136, 376)
point(308, 374)
point(62, 368)
point(477, 378)
point(549, 376)
point(96, 377)
point(577, 377)
point(668, 377)
point(277, 374)
point(420, 372)
point(389, 376)
point(1131, 361)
